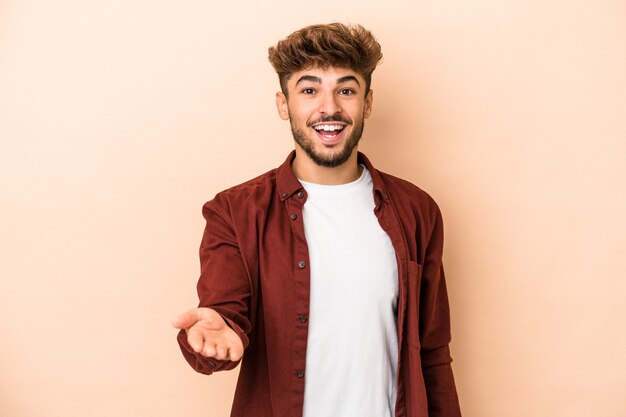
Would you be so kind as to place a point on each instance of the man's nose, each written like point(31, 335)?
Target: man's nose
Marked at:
point(329, 104)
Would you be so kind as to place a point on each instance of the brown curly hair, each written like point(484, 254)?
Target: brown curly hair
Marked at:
point(323, 46)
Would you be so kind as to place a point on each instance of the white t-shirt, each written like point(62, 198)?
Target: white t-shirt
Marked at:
point(352, 348)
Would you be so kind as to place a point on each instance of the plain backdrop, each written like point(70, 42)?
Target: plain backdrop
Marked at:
point(119, 119)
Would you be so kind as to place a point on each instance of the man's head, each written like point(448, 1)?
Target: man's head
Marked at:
point(325, 74)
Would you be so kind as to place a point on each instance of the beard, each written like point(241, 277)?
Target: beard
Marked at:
point(330, 160)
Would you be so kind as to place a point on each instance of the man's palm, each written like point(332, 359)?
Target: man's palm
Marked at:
point(209, 335)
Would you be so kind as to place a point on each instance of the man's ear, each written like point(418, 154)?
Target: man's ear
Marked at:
point(281, 105)
point(369, 99)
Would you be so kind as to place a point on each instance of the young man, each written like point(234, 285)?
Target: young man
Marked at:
point(325, 274)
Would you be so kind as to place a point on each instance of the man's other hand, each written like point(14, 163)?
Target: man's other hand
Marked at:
point(209, 335)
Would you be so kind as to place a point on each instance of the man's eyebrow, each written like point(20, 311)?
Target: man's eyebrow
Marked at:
point(348, 78)
point(311, 78)
point(318, 80)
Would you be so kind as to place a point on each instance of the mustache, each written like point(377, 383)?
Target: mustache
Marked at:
point(332, 118)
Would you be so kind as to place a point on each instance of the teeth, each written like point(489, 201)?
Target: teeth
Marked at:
point(328, 128)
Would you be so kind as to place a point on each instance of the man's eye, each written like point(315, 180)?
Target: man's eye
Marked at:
point(346, 91)
point(308, 91)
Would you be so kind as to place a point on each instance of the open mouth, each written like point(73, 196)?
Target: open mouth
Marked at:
point(329, 132)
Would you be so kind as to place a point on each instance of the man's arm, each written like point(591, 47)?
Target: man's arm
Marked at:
point(214, 336)
point(435, 333)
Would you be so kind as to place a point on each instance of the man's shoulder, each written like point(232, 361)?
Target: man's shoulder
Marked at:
point(248, 194)
point(405, 190)
point(408, 195)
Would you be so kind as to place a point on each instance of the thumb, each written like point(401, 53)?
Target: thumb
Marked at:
point(187, 319)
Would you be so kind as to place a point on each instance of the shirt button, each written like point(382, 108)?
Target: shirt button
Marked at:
point(302, 319)
point(300, 374)
point(300, 194)
point(284, 195)
point(301, 264)
point(294, 216)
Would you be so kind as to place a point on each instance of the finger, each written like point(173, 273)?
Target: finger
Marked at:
point(188, 318)
point(183, 320)
point(221, 352)
point(209, 350)
point(235, 353)
point(195, 339)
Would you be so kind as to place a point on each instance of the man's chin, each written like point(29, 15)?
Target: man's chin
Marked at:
point(329, 158)
point(325, 153)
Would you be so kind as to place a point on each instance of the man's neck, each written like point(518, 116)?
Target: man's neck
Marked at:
point(307, 170)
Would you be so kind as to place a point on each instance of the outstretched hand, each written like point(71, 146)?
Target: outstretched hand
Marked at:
point(209, 335)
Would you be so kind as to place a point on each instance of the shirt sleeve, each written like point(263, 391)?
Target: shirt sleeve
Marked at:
point(224, 286)
point(435, 332)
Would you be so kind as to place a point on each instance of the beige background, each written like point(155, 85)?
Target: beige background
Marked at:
point(118, 120)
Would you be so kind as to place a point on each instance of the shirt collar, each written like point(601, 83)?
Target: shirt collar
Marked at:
point(288, 184)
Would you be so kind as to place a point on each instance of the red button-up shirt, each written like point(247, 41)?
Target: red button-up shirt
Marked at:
point(255, 273)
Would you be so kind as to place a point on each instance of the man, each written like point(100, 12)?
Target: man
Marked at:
point(324, 276)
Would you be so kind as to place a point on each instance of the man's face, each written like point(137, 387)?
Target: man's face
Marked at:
point(326, 109)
